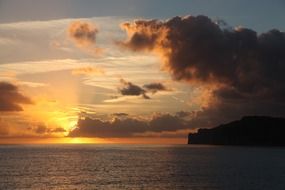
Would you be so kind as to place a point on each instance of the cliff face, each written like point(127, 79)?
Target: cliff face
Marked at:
point(250, 130)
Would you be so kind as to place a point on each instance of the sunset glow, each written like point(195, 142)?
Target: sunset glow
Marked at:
point(127, 78)
point(142, 94)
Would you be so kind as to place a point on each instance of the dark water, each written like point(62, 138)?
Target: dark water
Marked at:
point(141, 167)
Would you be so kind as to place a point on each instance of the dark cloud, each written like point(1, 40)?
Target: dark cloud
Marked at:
point(87, 127)
point(128, 127)
point(196, 48)
point(11, 99)
point(130, 89)
point(245, 70)
point(184, 114)
point(120, 114)
point(58, 130)
point(41, 129)
point(83, 33)
point(155, 87)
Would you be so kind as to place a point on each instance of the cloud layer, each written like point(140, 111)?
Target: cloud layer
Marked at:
point(88, 71)
point(128, 127)
point(11, 99)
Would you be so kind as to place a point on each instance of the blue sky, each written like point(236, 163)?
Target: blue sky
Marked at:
point(260, 15)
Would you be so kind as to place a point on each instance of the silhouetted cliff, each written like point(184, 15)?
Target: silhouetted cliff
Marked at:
point(250, 130)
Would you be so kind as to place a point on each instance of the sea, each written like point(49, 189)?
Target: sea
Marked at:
point(170, 167)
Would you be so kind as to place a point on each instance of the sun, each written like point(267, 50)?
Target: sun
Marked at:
point(79, 140)
point(72, 124)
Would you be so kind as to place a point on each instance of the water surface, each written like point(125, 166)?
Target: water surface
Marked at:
point(141, 167)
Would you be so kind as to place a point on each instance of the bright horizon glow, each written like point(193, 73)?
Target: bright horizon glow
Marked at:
point(79, 140)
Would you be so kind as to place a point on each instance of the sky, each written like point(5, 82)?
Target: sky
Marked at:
point(134, 71)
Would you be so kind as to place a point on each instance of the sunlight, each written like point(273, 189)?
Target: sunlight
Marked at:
point(79, 140)
point(53, 115)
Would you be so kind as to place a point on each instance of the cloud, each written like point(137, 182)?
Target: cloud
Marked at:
point(84, 34)
point(155, 87)
point(241, 72)
point(4, 127)
point(88, 71)
point(197, 49)
point(24, 126)
point(167, 134)
point(11, 99)
point(184, 114)
point(43, 129)
point(130, 89)
point(128, 127)
point(120, 114)
point(58, 130)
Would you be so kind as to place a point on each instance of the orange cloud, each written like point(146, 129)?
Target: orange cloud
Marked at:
point(144, 35)
point(4, 127)
point(88, 71)
point(84, 35)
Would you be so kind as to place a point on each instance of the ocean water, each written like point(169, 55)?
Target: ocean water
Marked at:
point(190, 167)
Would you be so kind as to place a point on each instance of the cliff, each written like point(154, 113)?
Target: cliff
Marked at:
point(250, 130)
